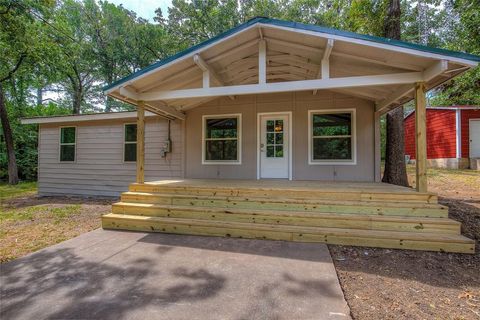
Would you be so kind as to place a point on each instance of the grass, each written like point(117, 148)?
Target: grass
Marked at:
point(29, 223)
point(13, 191)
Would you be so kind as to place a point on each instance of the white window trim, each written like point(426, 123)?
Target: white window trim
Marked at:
point(353, 161)
point(60, 144)
point(127, 142)
point(239, 139)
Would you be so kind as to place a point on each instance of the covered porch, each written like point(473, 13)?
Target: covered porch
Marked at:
point(272, 57)
point(323, 91)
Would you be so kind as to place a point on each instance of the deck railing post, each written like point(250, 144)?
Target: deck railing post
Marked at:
point(420, 137)
point(140, 142)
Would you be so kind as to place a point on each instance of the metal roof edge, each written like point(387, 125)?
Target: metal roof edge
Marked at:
point(349, 34)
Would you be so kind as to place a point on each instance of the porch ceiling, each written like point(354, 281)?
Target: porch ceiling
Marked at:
point(233, 65)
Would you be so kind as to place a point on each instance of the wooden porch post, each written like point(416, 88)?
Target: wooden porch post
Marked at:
point(140, 142)
point(420, 137)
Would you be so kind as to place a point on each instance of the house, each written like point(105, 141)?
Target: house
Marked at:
point(453, 136)
point(269, 130)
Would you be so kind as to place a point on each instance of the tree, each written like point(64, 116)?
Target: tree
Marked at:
point(23, 42)
point(395, 168)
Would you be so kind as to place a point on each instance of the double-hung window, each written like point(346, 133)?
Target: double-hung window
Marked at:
point(332, 137)
point(68, 138)
point(221, 139)
point(130, 143)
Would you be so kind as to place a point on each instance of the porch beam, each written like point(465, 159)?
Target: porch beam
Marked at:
point(430, 73)
point(324, 71)
point(208, 73)
point(140, 142)
point(420, 137)
point(288, 86)
point(262, 62)
point(166, 109)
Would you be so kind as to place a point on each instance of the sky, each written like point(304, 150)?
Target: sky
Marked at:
point(145, 8)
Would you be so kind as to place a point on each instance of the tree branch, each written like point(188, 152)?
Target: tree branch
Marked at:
point(11, 72)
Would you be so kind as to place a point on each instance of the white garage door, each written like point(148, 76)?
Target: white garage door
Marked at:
point(474, 138)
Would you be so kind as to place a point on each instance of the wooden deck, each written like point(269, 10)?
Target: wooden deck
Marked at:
point(349, 213)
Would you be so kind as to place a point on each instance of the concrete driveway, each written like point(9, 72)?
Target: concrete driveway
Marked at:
point(132, 275)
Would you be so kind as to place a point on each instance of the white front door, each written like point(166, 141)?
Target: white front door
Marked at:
point(274, 146)
point(474, 138)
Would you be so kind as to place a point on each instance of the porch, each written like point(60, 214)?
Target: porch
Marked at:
point(347, 213)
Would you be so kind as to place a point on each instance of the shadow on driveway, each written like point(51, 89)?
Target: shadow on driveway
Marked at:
point(130, 275)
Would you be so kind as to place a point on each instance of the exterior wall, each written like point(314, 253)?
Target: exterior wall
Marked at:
point(99, 169)
point(298, 103)
point(441, 134)
point(466, 115)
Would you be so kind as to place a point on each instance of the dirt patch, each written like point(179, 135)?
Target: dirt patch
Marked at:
point(31, 223)
point(403, 284)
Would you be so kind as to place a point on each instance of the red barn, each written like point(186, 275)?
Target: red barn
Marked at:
point(453, 136)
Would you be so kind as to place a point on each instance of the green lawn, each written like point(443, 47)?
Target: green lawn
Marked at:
point(22, 189)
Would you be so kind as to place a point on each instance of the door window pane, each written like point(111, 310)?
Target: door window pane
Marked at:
point(270, 151)
point(278, 151)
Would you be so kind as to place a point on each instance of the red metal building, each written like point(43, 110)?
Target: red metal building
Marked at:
point(453, 136)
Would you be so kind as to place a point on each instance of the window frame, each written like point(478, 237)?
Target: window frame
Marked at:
point(60, 144)
point(353, 137)
point(239, 139)
point(128, 142)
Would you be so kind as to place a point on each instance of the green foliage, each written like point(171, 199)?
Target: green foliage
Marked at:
point(75, 47)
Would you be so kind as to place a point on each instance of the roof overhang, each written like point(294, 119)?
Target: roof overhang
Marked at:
point(85, 117)
point(267, 56)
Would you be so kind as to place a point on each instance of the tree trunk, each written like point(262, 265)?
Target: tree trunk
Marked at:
point(77, 102)
point(395, 167)
point(39, 96)
point(395, 170)
point(7, 133)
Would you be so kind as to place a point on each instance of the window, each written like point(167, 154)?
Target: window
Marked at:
point(332, 137)
point(67, 144)
point(130, 143)
point(221, 139)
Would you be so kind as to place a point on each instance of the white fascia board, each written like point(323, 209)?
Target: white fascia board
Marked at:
point(85, 117)
point(288, 86)
point(185, 57)
point(375, 45)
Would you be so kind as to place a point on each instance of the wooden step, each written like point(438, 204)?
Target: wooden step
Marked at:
point(371, 238)
point(299, 218)
point(366, 194)
point(334, 206)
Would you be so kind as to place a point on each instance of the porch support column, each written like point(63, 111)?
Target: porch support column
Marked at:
point(420, 137)
point(140, 142)
point(377, 147)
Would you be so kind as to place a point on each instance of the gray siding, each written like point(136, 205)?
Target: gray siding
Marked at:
point(298, 103)
point(99, 169)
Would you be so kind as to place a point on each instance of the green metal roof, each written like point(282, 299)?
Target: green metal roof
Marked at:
point(299, 26)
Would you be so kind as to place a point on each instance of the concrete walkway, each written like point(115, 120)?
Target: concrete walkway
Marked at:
point(133, 275)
